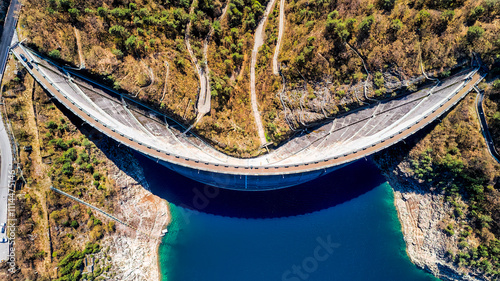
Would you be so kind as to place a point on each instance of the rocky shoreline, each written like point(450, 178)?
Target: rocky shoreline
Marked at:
point(421, 213)
point(134, 255)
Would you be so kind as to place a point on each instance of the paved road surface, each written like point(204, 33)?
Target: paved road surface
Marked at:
point(484, 126)
point(5, 149)
point(58, 90)
point(8, 32)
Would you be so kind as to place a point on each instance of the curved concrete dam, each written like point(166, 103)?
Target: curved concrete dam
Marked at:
point(302, 158)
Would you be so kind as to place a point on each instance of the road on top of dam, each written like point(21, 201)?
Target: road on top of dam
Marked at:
point(466, 84)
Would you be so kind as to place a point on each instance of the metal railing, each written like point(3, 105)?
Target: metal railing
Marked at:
point(464, 84)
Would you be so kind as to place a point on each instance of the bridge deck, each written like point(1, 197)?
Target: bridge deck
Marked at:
point(339, 141)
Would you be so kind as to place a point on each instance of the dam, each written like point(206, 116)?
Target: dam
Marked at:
point(329, 146)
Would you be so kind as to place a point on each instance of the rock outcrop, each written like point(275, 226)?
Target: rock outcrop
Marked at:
point(421, 213)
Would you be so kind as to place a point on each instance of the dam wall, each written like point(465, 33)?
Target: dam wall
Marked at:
point(312, 154)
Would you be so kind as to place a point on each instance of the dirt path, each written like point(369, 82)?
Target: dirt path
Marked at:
point(280, 37)
point(484, 126)
point(166, 80)
point(42, 186)
point(204, 100)
point(79, 44)
point(203, 104)
point(258, 42)
point(204, 97)
point(365, 85)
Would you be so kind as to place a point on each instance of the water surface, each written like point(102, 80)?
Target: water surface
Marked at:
point(368, 245)
point(220, 235)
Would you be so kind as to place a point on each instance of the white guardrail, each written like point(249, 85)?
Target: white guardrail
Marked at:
point(252, 167)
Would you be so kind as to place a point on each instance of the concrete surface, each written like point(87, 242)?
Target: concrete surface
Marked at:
point(341, 141)
point(484, 126)
point(5, 148)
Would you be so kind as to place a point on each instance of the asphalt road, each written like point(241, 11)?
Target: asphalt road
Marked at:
point(484, 126)
point(243, 170)
point(5, 148)
point(8, 32)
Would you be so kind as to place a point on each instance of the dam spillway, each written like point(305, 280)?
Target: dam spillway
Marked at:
point(328, 147)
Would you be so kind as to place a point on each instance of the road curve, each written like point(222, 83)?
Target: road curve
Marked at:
point(204, 98)
point(484, 126)
point(260, 170)
point(281, 30)
point(8, 32)
point(5, 145)
point(258, 41)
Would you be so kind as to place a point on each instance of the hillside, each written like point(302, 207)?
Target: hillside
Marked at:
point(55, 237)
point(448, 185)
point(159, 51)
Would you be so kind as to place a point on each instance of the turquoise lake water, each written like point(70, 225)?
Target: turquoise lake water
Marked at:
point(367, 244)
point(357, 238)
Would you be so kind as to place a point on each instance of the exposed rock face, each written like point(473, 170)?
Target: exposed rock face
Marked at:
point(421, 213)
point(134, 254)
point(306, 104)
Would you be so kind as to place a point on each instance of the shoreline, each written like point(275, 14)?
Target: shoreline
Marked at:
point(420, 213)
point(158, 244)
point(135, 254)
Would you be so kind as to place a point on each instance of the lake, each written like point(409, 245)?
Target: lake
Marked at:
point(343, 226)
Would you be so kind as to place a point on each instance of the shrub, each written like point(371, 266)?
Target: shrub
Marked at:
point(51, 125)
point(474, 32)
point(59, 143)
point(67, 169)
point(449, 230)
point(70, 154)
point(74, 13)
point(386, 4)
point(496, 84)
point(396, 24)
point(55, 54)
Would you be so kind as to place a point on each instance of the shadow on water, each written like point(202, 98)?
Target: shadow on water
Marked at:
point(335, 188)
point(330, 190)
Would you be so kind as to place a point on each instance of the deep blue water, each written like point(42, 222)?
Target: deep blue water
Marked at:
point(343, 226)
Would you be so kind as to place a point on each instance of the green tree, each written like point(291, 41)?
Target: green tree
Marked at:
point(475, 14)
point(474, 33)
point(396, 25)
point(67, 169)
point(102, 12)
point(70, 154)
point(74, 13)
point(130, 42)
point(496, 84)
point(56, 54)
point(386, 4)
point(365, 26)
point(118, 30)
